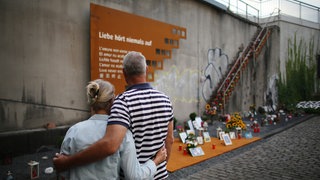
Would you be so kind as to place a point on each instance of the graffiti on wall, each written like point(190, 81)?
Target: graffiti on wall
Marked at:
point(217, 65)
point(271, 94)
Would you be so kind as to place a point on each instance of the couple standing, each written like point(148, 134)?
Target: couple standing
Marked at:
point(134, 127)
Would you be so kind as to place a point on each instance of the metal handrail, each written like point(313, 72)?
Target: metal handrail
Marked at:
point(235, 3)
point(246, 52)
point(241, 60)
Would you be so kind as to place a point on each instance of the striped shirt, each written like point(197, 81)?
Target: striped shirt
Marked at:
point(147, 113)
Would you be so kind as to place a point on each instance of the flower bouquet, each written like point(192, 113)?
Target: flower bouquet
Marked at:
point(235, 121)
point(191, 141)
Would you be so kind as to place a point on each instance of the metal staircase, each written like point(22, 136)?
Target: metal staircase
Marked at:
point(227, 85)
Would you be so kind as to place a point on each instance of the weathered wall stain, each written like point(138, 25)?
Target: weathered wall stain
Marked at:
point(179, 77)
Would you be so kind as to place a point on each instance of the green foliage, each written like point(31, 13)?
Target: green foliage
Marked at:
point(299, 81)
point(175, 122)
point(193, 116)
point(261, 110)
point(312, 111)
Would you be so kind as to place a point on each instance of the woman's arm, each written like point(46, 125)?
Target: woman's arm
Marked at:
point(106, 146)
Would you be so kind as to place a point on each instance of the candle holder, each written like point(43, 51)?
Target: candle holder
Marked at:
point(205, 126)
point(185, 152)
point(200, 136)
point(213, 146)
point(34, 169)
point(238, 132)
point(256, 128)
point(218, 132)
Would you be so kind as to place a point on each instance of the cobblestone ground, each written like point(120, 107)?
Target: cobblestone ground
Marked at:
point(291, 154)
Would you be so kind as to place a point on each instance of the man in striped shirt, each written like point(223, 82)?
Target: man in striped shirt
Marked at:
point(141, 109)
point(145, 111)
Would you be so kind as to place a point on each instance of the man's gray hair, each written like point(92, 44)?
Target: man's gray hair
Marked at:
point(134, 63)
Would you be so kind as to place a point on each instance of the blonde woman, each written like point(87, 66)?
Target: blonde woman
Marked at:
point(100, 96)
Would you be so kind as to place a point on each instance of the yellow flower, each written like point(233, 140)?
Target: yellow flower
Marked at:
point(235, 121)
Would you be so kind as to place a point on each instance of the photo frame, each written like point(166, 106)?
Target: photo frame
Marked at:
point(232, 135)
point(197, 151)
point(226, 139)
point(197, 122)
point(190, 124)
point(221, 135)
point(206, 137)
point(200, 140)
point(183, 136)
point(248, 135)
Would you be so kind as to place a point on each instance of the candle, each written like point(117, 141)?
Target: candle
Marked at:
point(184, 151)
point(180, 147)
point(213, 146)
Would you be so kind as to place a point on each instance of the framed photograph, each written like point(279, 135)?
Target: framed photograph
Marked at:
point(197, 151)
point(197, 122)
point(232, 135)
point(183, 136)
point(206, 137)
point(226, 139)
point(200, 139)
point(248, 135)
point(190, 124)
point(221, 135)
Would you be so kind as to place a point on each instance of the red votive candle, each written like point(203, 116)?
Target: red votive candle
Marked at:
point(180, 147)
point(213, 146)
point(185, 152)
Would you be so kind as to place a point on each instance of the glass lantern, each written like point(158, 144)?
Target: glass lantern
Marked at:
point(205, 126)
point(238, 132)
point(200, 132)
point(200, 136)
point(218, 132)
point(34, 169)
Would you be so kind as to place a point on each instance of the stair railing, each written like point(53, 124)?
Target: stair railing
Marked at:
point(253, 48)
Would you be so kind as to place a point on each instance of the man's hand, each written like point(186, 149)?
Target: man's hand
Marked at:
point(160, 156)
point(60, 161)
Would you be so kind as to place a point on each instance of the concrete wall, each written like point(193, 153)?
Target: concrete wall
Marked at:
point(287, 28)
point(45, 61)
point(304, 31)
point(258, 78)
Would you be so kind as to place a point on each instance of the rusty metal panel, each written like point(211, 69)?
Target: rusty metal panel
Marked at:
point(114, 33)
